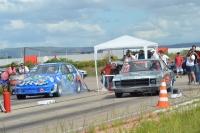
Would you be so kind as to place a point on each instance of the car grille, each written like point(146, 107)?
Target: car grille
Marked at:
point(134, 82)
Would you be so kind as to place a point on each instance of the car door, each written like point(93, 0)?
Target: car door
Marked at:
point(67, 78)
point(73, 73)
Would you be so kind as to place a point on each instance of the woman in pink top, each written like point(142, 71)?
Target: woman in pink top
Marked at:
point(6, 74)
point(125, 67)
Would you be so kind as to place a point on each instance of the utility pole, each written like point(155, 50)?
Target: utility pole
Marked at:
point(24, 54)
point(66, 53)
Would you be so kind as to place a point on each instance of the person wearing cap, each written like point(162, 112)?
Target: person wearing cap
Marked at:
point(23, 69)
point(154, 54)
point(179, 63)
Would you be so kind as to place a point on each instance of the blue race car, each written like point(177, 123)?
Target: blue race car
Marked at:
point(51, 79)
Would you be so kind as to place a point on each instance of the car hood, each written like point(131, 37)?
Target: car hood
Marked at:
point(39, 79)
point(138, 75)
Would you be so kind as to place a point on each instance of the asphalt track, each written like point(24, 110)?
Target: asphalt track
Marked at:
point(73, 112)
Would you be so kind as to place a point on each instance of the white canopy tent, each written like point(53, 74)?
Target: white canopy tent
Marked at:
point(123, 42)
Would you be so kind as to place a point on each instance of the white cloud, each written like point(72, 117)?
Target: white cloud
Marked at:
point(15, 25)
point(96, 1)
point(5, 5)
point(65, 26)
point(164, 29)
point(20, 5)
point(151, 34)
point(4, 44)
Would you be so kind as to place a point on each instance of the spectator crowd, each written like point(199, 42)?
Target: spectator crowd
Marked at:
point(189, 63)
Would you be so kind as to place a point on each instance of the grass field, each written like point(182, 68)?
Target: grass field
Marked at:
point(184, 120)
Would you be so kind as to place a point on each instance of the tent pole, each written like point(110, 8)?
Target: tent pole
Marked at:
point(66, 53)
point(145, 52)
point(109, 53)
point(95, 60)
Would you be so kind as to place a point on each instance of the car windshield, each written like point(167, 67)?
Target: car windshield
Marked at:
point(145, 65)
point(47, 69)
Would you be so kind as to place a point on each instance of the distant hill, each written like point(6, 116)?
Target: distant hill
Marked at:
point(181, 45)
point(52, 51)
point(43, 51)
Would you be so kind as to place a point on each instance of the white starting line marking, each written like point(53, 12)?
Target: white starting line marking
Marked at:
point(44, 102)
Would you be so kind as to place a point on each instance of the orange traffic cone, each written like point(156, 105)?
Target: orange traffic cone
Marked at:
point(163, 97)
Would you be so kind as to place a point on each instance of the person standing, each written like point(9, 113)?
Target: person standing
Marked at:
point(164, 57)
point(190, 69)
point(129, 56)
point(141, 54)
point(178, 64)
point(105, 72)
point(193, 51)
point(6, 75)
point(23, 69)
point(154, 54)
point(125, 67)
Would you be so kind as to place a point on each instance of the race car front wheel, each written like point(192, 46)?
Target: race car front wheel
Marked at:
point(118, 95)
point(58, 93)
point(21, 97)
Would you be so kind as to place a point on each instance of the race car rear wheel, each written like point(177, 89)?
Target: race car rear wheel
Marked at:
point(78, 88)
point(58, 93)
point(21, 97)
point(118, 95)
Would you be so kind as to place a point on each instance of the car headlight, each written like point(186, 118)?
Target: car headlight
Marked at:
point(117, 83)
point(152, 81)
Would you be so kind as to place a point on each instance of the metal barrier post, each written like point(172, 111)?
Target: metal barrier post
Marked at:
point(7, 101)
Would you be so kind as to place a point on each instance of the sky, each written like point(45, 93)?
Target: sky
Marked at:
point(82, 23)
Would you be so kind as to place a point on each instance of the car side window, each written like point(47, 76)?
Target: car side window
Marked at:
point(71, 69)
point(64, 69)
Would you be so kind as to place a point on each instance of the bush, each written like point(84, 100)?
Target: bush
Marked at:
point(79, 64)
point(86, 65)
point(1, 90)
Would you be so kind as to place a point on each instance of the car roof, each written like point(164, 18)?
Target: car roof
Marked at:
point(56, 63)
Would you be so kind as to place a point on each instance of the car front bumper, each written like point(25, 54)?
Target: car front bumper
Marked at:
point(142, 89)
point(34, 90)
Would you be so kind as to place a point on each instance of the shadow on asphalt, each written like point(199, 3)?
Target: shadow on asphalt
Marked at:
point(46, 97)
point(128, 95)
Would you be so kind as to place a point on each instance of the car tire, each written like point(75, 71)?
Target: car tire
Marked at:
point(21, 97)
point(133, 94)
point(58, 93)
point(78, 87)
point(118, 95)
point(46, 95)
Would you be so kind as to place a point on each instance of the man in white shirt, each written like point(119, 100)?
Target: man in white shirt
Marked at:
point(154, 54)
point(164, 57)
point(23, 69)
